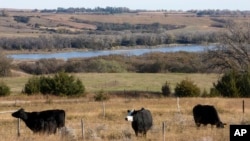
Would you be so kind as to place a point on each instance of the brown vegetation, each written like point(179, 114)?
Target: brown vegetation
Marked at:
point(112, 126)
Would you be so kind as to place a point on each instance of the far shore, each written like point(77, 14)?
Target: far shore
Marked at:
point(48, 51)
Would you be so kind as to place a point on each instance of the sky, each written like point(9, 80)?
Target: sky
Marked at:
point(131, 4)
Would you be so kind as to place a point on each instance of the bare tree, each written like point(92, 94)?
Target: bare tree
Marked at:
point(233, 50)
point(5, 65)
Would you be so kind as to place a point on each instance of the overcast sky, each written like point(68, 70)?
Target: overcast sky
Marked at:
point(132, 4)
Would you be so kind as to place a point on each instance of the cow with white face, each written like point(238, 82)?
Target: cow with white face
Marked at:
point(141, 120)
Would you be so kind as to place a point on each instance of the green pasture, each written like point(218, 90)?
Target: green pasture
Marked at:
point(125, 81)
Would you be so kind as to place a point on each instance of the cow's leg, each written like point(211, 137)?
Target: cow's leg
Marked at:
point(145, 134)
point(136, 133)
point(198, 124)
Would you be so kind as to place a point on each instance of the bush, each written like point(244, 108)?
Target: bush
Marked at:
point(60, 84)
point(4, 89)
point(214, 92)
point(21, 19)
point(65, 84)
point(46, 85)
point(101, 65)
point(234, 84)
point(166, 89)
point(101, 96)
point(186, 88)
point(227, 85)
point(32, 86)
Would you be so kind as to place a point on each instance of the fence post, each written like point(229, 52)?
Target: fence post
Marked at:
point(163, 130)
point(178, 104)
point(103, 108)
point(243, 106)
point(82, 124)
point(18, 127)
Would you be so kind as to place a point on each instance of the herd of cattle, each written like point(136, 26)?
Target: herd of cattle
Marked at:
point(50, 121)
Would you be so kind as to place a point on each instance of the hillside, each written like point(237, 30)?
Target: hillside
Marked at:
point(39, 23)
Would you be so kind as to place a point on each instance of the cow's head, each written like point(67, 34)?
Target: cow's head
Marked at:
point(130, 114)
point(20, 114)
point(220, 125)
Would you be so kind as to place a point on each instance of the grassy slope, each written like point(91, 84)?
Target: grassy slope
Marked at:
point(10, 28)
point(125, 81)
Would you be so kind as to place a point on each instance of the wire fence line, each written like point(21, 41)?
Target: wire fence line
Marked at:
point(83, 130)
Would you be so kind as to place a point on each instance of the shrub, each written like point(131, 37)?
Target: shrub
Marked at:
point(46, 85)
point(186, 88)
point(234, 84)
point(21, 19)
point(4, 89)
point(166, 89)
point(32, 86)
point(227, 85)
point(101, 96)
point(65, 84)
point(60, 84)
point(214, 92)
point(101, 65)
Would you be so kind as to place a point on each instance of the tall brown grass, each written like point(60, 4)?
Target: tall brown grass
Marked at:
point(111, 125)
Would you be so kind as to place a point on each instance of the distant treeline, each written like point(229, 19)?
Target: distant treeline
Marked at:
point(147, 63)
point(115, 10)
point(100, 42)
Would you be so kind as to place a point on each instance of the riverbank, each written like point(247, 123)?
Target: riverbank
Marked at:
point(134, 51)
point(53, 50)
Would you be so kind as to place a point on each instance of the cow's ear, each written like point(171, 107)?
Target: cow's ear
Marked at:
point(128, 111)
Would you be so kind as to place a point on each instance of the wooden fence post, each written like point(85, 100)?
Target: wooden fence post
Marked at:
point(18, 127)
point(82, 124)
point(243, 106)
point(103, 109)
point(163, 130)
point(178, 104)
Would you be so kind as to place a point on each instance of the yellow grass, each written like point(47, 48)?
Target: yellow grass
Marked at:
point(112, 126)
point(109, 124)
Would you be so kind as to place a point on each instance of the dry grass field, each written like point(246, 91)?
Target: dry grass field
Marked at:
point(10, 28)
point(105, 120)
point(110, 125)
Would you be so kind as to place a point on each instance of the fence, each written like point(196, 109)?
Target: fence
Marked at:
point(81, 129)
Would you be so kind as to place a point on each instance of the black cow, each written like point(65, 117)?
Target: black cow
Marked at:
point(206, 114)
point(141, 119)
point(42, 122)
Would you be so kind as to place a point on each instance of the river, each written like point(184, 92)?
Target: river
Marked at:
point(129, 52)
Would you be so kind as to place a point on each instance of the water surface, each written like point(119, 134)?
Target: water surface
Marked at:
point(129, 52)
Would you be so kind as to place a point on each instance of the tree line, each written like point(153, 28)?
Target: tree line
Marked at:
point(149, 63)
point(117, 10)
point(100, 42)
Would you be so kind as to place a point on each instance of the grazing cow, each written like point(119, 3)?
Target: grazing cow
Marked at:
point(206, 114)
point(42, 122)
point(141, 120)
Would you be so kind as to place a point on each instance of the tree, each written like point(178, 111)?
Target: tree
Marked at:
point(233, 51)
point(166, 91)
point(5, 65)
point(4, 89)
point(227, 85)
